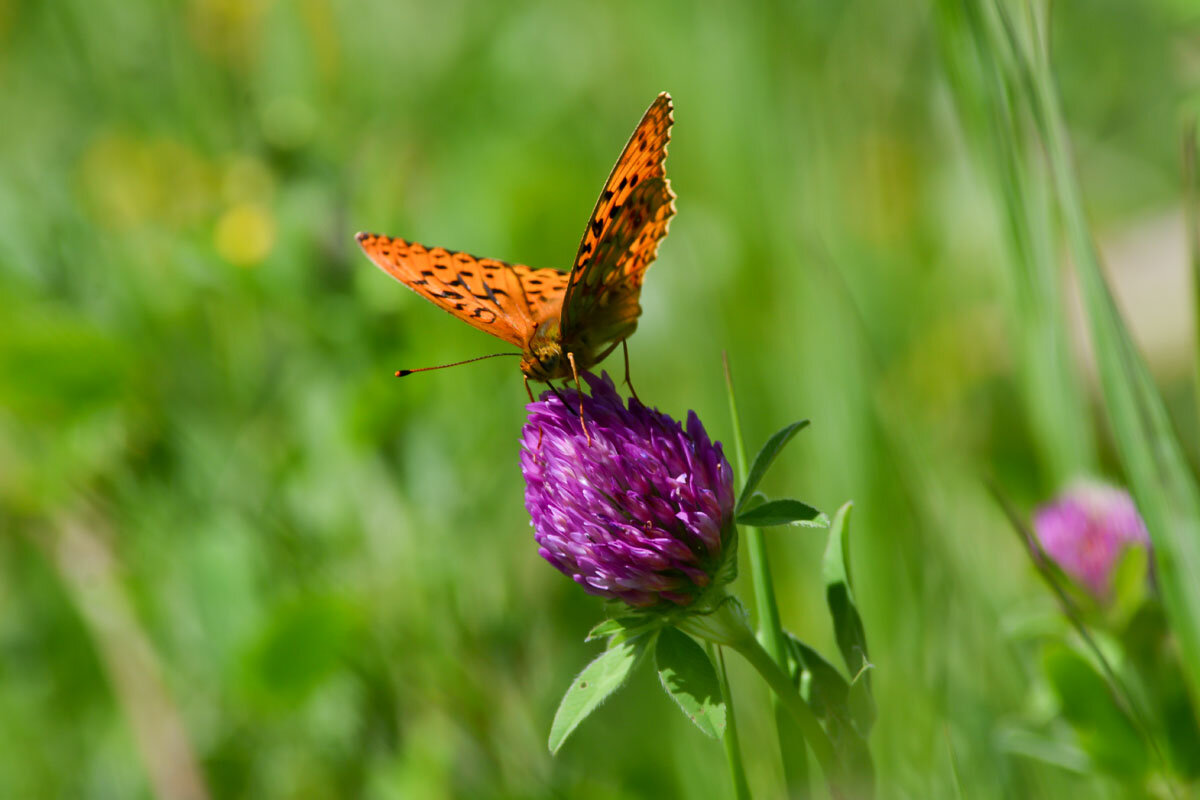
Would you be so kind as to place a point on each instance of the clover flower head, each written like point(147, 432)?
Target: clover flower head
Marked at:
point(1086, 529)
point(642, 513)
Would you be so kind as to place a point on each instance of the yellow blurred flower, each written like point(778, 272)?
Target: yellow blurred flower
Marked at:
point(245, 234)
point(130, 181)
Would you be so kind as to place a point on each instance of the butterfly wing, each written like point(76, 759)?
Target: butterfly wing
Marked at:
point(621, 240)
point(506, 300)
point(544, 290)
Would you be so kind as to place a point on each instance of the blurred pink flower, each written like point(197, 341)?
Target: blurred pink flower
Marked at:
point(1086, 529)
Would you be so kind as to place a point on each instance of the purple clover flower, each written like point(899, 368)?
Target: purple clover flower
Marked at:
point(643, 514)
point(1086, 529)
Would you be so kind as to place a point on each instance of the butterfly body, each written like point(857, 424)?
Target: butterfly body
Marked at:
point(544, 359)
point(563, 322)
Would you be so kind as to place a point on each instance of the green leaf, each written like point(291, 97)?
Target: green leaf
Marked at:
point(622, 628)
point(860, 702)
point(762, 461)
point(1129, 584)
point(847, 624)
point(831, 698)
point(754, 501)
point(1032, 744)
point(783, 512)
point(607, 673)
point(688, 676)
point(823, 685)
point(604, 629)
point(1102, 729)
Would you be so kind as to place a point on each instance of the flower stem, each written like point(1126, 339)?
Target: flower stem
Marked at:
point(726, 625)
point(733, 748)
point(770, 628)
point(814, 734)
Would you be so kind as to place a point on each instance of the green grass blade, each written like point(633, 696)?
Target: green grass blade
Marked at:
point(1049, 387)
point(730, 741)
point(770, 628)
point(1150, 452)
point(1191, 220)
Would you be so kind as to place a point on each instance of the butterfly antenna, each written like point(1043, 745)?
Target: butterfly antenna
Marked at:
point(400, 373)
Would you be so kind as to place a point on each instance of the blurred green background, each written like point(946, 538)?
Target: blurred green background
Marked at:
point(238, 558)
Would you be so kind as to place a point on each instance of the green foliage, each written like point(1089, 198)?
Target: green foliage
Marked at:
point(688, 676)
point(607, 673)
point(1103, 731)
point(300, 648)
point(829, 694)
point(195, 356)
point(783, 512)
point(765, 457)
point(847, 624)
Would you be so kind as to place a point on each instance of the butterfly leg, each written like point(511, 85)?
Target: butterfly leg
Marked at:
point(529, 392)
point(579, 389)
point(628, 382)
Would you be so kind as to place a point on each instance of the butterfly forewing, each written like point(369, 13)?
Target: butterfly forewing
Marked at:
point(621, 240)
point(489, 294)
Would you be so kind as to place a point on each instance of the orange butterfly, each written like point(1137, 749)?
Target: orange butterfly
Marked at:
point(562, 321)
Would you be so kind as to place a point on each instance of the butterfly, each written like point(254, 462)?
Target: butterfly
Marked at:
point(564, 322)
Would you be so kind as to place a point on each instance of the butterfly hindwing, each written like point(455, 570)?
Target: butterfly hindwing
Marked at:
point(483, 292)
point(621, 240)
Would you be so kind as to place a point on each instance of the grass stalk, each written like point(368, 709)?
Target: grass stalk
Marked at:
point(769, 626)
point(1149, 450)
point(731, 740)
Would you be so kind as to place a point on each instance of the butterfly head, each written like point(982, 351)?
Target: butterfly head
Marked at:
point(544, 358)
